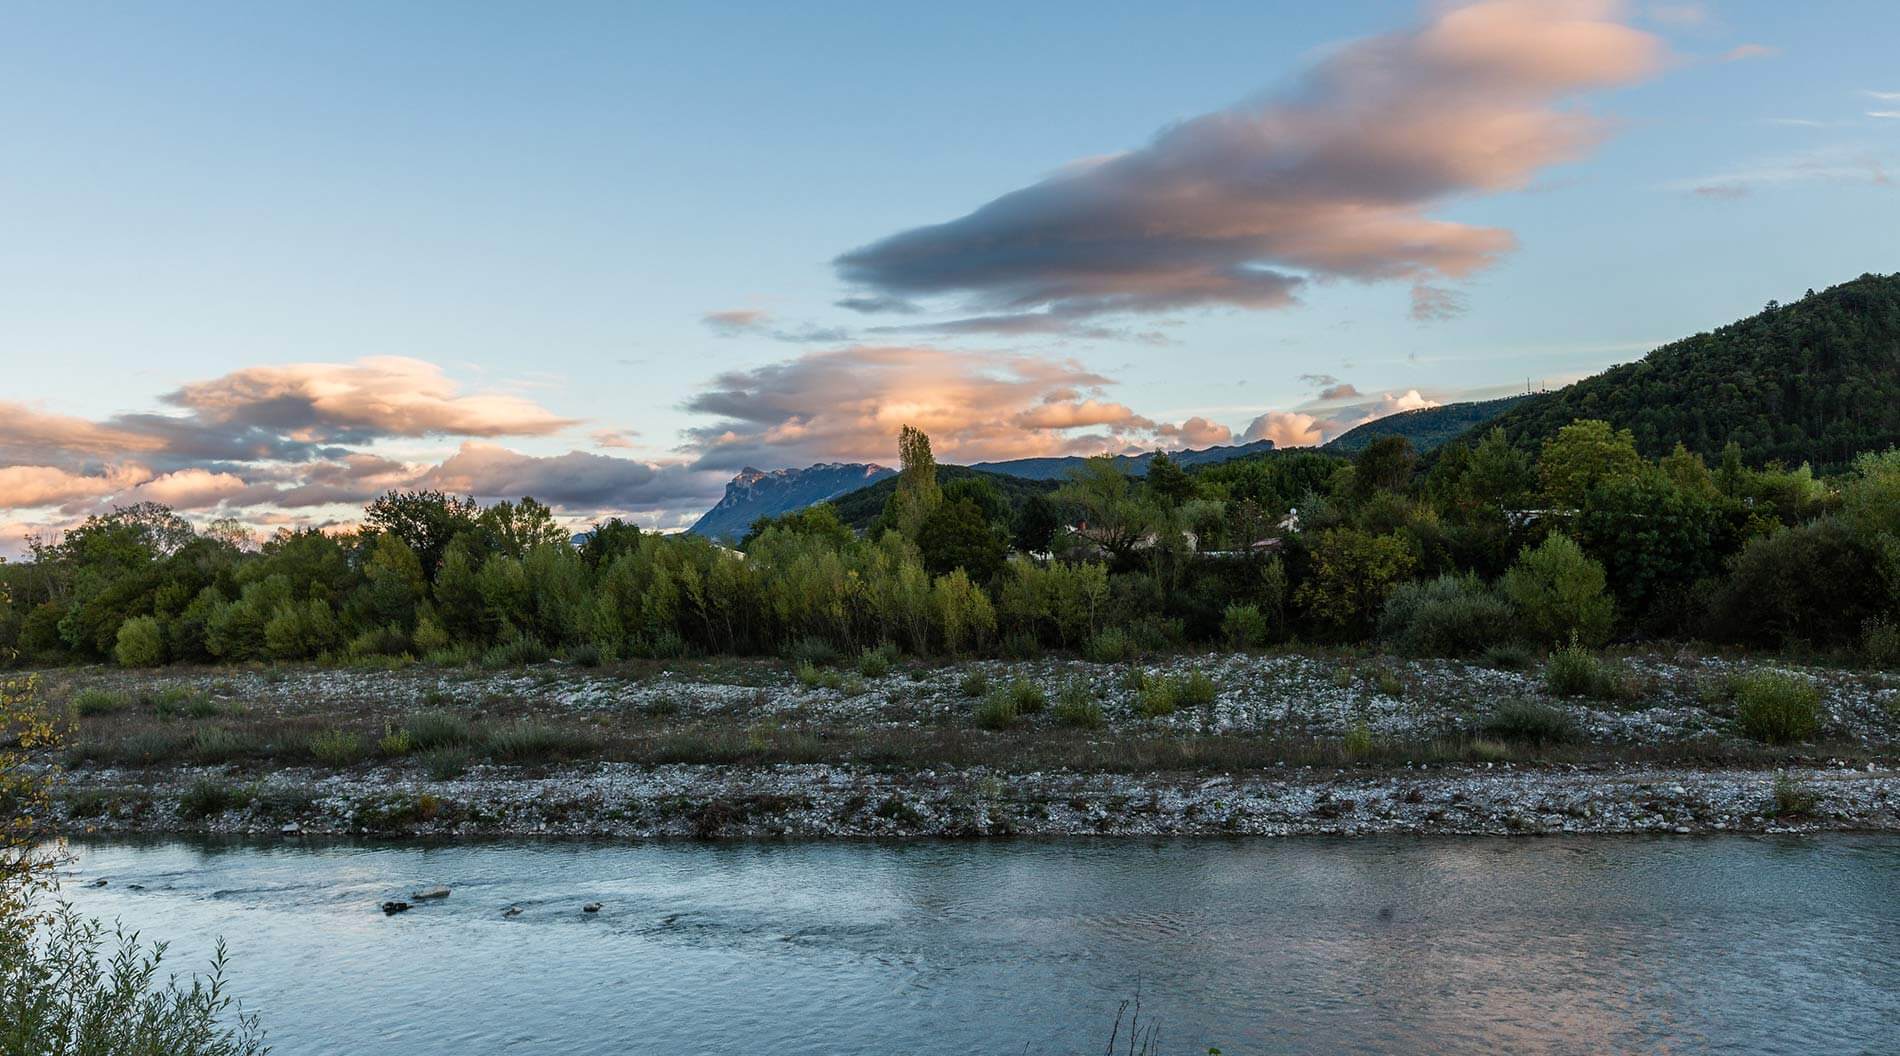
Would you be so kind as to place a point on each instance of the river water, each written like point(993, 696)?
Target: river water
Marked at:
point(1386, 946)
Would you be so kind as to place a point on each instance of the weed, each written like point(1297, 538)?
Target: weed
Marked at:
point(1792, 799)
point(1880, 642)
point(1574, 671)
point(395, 742)
point(1110, 646)
point(1357, 744)
point(1156, 697)
point(207, 798)
point(1076, 706)
point(215, 744)
point(519, 651)
point(336, 748)
point(1028, 697)
point(997, 710)
point(1528, 722)
point(878, 662)
point(973, 684)
point(429, 730)
point(811, 651)
point(446, 763)
point(1777, 708)
point(89, 702)
point(1509, 656)
point(530, 741)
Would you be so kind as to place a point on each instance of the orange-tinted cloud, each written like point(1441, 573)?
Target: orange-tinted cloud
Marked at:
point(977, 406)
point(1333, 180)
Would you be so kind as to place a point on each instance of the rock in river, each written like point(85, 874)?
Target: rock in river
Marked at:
point(394, 907)
point(423, 895)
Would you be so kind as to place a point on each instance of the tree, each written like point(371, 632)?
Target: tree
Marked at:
point(607, 540)
point(1167, 481)
point(1498, 475)
point(1036, 524)
point(395, 583)
point(426, 520)
point(1353, 572)
point(514, 528)
point(917, 494)
point(957, 535)
point(1559, 593)
point(141, 643)
point(1582, 455)
point(1114, 517)
point(1385, 465)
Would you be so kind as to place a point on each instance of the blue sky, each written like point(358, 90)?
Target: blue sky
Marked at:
point(547, 201)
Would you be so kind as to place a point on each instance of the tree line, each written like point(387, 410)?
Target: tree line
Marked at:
point(1586, 540)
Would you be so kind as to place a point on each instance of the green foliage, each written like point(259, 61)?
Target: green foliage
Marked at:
point(1820, 582)
point(1076, 706)
point(1353, 574)
point(1791, 799)
point(141, 643)
point(1453, 615)
point(208, 798)
point(1027, 697)
point(1574, 671)
point(91, 702)
point(1812, 381)
point(876, 662)
point(1582, 456)
point(1529, 722)
point(918, 494)
point(1776, 708)
point(1195, 690)
point(531, 740)
point(1244, 627)
point(518, 651)
point(337, 748)
point(1156, 696)
point(1559, 593)
point(1880, 642)
point(1111, 645)
point(957, 535)
point(429, 730)
point(998, 710)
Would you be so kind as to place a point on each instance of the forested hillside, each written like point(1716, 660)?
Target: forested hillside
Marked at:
point(859, 508)
point(1814, 381)
point(1427, 427)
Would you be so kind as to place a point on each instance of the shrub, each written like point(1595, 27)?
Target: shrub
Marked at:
point(1389, 682)
point(586, 654)
point(446, 763)
point(1559, 593)
point(1027, 697)
point(819, 678)
point(1880, 642)
point(1076, 706)
point(463, 655)
point(878, 662)
point(88, 702)
point(997, 711)
point(430, 636)
point(1353, 572)
point(973, 684)
point(528, 740)
point(1021, 646)
point(141, 643)
point(1110, 646)
point(1244, 627)
point(207, 798)
point(816, 652)
point(1528, 722)
point(429, 730)
point(1777, 708)
point(1509, 656)
point(1453, 615)
point(336, 748)
point(519, 651)
point(395, 742)
point(1818, 583)
point(1156, 697)
point(1357, 744)
point(1574, 671)
point(1792, 798)
point(1195, 690)
point(215, 744)
point(388, 640)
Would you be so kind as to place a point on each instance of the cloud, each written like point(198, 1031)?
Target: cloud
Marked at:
point(1432, 304)
point(1317, 424)
point(577, 480)
point(1839, 163)
point(1890, 97)
point(1197, 432)
point(1679, 14)
point(1884, 114)
point(754, 322)
point(380, 396)
point(1722, 191)
point(1332, 181)
point(25, 487)
point(976, 405)
point(1742, 52)
point(621, 438)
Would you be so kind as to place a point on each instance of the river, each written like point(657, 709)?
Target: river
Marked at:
point(1382, 946)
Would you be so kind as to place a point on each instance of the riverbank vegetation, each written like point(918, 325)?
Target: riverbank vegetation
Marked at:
point(1486, 550)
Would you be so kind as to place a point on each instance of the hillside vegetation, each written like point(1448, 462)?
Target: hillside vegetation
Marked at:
point(1425, 428)
point(1814, 381)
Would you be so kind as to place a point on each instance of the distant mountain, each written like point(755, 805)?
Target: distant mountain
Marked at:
point(755, 493)
point(1426, 428)
point(1134, 465)
point(1814, 381)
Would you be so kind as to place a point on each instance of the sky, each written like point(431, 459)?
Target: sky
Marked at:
point(267, 261)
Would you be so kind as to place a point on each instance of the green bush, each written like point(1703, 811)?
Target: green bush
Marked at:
point(446, 763)
point(519, 651)
point(1076, 706)
point(1195, 690)
point(1559, 593)
point(586, 654)
point(997, 711)
point(1358, 743)
point(429, 730)
point(1791, 798)
point(1027, 697)
point(812, 650)
point(1509, 656)
point(1528, 722)
point(395, 743)
point(878, 662)
point(1880, 642)
point(1777, 708)
point(1453, 615)
point(388, 640)
point(141, 643)
point(336, 748)
point(1110, 646)
point(1155, 697)
point(528, 740)
point(215, 744)
point(1574, 671)
point(207, 798)
point(973, 684)
point(1244, 627)
point(89, 702)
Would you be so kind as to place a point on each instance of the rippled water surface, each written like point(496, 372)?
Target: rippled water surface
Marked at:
point(1780, 945)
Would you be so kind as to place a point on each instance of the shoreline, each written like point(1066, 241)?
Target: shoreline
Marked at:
point(627, 802)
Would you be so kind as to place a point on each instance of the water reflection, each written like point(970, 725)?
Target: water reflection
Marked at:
point(1387, 946)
